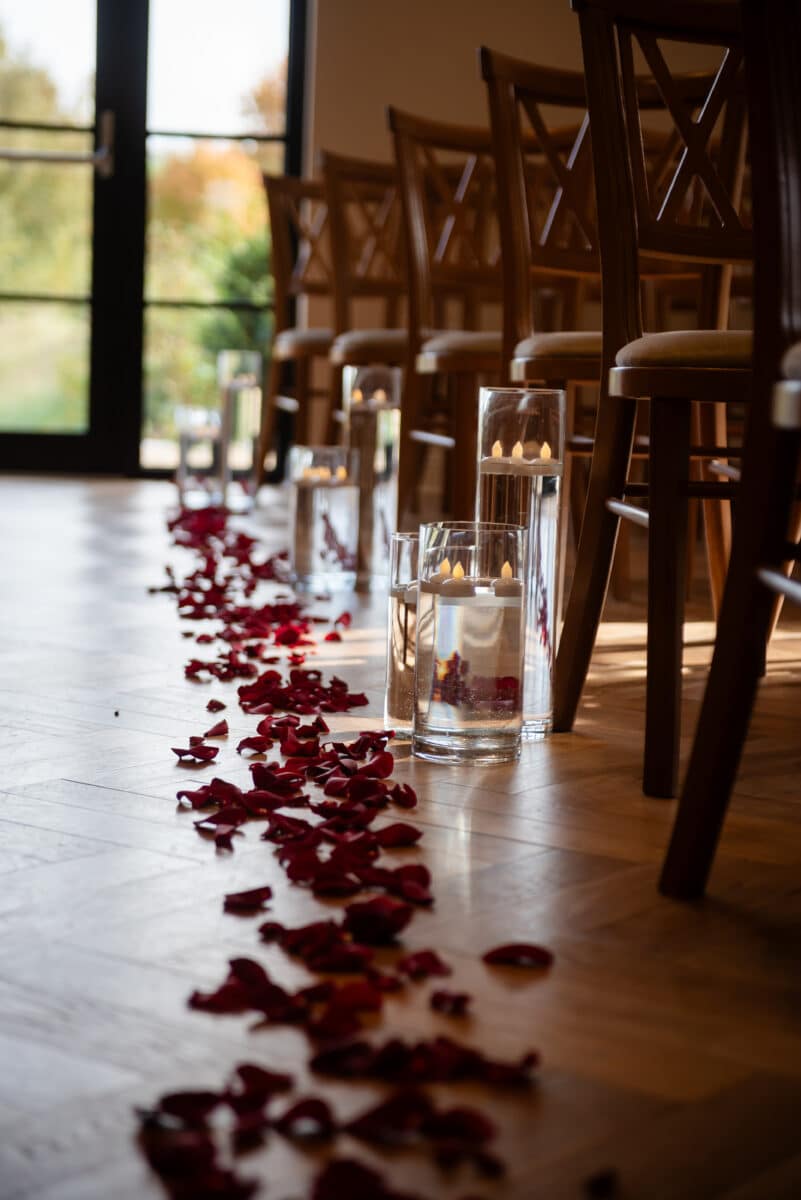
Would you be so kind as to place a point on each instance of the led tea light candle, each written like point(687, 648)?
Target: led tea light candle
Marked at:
point(457, 585)
point(324, 518)
point(470, 638)
point(522, 486)
point(507, 585)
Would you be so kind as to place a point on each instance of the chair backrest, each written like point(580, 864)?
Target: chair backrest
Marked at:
point(545, 197)
point(366, 227)
point(546, 194)
point(301, 249)
point(692, 212)
point(447, 178)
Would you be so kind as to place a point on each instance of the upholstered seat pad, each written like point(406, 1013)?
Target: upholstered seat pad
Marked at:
point(463, 342)
point(572, 344)
point(370, 341)
point(301, 343)
point(705, 348)
point(791, 363)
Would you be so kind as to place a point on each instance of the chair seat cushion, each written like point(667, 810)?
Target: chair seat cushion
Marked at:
point(373, 345)
point(572, 344)
point(791, 363)
point(459, 341)
point(704, 348)
point(301, 343)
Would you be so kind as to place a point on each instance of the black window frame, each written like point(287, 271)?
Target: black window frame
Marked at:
point(119, 215)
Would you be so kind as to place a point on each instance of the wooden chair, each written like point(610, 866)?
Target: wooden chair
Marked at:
point(764, 540)
point(301, 266)
point(669, 369)
point(369, 262)
point(447, 178)
point(549, 238)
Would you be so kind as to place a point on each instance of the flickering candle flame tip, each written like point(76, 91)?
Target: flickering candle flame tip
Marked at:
point(458, 571)
point(445, 567)
point(517, 450)
point(506, 571)
point(546, 451)
point(497, 450)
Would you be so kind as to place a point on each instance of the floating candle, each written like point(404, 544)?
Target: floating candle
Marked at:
point(507, 585)
point(433, 584)
point(457, 585)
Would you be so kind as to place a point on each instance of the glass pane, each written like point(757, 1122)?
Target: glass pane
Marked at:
point(181, 348)
point(44, 368)
point(207, 226)
point(47, 61)
point(46, 217)
point(214, 69)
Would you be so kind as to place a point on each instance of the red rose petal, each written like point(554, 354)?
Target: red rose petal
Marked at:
point(218, 730)
point(251, 901)
point(450, 1004)
point(376, 922)
point(519, 954)
point(333, 636)
point(311, 1118)
point(399, 834)
point(422, 964)
point(198, 753)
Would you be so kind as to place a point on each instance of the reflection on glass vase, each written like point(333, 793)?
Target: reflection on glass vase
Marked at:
point(323, 517)
point(520, 463)
point(371, 405)
point(239, 377)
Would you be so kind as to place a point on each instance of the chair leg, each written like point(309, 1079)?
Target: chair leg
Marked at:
point(334, 428)
point(303, 397)
point(717, 513)
point(667, 567)
point(765, 506)
point(465, 451)
point(267, 430)
point(614, 434)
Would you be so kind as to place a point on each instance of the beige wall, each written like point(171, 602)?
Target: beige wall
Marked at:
point(419, 55)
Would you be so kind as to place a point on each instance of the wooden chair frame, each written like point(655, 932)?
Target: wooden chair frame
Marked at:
point(301, 266)
point(454, 255)
point(764, 537)
point(637, 219)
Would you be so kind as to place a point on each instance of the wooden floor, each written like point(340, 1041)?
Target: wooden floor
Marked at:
point(670, 1035)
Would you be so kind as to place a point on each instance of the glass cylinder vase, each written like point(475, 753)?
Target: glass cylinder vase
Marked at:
point(401, 633)
point(471, 603)
point(520, 465)
point(323, 517)
point(371, 405)
point(239, 378)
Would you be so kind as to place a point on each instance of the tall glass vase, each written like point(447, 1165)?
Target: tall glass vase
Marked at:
point(520, 465)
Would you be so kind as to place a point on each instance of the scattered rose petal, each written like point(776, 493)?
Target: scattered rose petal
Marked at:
point(251, 901)
point(377, 922)
point(332, 636)
point(519, 954)
point(199, 753)
point(399, 834)
point(450, 1004)
point(215, 706)
point(422, 964)
point(218, 730)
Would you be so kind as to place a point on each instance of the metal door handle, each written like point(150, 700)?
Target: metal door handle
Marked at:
point(102, 158)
